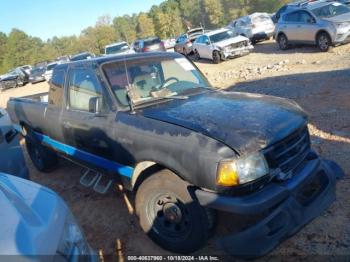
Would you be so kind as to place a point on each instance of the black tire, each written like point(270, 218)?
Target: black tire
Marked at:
point(43, 159)
point(323, 42)
point(19, 83)
point(283, 42)
point(196, 55)
point(169, 215)
point(216, 57)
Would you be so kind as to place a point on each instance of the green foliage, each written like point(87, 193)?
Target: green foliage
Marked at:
point(145, 26)
point(169, 19)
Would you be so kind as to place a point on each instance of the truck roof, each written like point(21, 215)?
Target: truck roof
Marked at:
point(115, 58)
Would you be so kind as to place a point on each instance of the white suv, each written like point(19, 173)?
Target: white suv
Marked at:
point(319, 23)
point(257, 26)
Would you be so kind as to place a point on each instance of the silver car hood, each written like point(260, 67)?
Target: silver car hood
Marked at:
point(339, 18)
point(233, 40)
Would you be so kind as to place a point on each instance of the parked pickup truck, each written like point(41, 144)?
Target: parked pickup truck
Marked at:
point(185, 148)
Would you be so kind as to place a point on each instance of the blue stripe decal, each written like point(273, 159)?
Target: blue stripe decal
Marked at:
point(126, 171)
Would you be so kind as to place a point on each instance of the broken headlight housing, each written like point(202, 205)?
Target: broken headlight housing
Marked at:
point(243, 170)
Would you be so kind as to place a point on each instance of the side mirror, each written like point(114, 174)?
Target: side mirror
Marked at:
point(95, 105)
point(207, 43)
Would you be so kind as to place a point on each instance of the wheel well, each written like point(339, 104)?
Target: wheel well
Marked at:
point(142, 171)
point(279, 34)
point(322, 31)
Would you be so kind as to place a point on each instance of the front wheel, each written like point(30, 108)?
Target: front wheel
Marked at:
point(169, 215)
point(323, 42)
point(283, 42)
point(196, 55)
point(216, 57)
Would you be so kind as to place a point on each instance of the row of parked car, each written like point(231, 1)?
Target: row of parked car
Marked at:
point(323, 23)
point(23, 75)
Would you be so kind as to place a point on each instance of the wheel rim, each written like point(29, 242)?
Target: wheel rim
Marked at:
point(323, 42)
point(283, 42)
point(169, 217)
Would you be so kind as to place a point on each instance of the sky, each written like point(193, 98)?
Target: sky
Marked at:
point(48, 18)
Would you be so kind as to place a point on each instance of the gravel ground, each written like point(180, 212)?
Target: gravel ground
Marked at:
point(319, 82)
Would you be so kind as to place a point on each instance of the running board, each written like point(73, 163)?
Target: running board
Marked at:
point(95, 180)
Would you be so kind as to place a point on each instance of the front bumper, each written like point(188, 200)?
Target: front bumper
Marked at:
point(237, 52)
point(290, 205)
point(342, 37)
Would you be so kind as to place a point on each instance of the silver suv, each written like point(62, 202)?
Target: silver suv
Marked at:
point(321, 23)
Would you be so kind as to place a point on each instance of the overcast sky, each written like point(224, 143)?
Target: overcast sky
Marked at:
point(48, 18)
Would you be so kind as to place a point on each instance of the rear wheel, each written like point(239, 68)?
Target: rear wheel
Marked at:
point(43, 158)
point(323, 42)
point(216, 57)
point(169, 215)
point(283, 42)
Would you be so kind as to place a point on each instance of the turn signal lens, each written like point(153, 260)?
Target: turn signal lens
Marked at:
point(227, 174)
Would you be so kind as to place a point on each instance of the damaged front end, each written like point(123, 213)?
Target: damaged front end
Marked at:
point(233, 50)
point(302, 185)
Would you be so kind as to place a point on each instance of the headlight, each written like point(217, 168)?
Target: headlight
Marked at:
point(242, 170)
point(72, 241)
point(342, 25)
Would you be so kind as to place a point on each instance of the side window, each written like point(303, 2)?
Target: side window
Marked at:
point(56, 87)
point(200, 40)
point(292, 17)
point(84, 90)
point(305, 17)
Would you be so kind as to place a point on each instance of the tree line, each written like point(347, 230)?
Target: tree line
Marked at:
point(169, 19)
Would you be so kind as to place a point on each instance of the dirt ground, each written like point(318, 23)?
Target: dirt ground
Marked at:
point(319, 82)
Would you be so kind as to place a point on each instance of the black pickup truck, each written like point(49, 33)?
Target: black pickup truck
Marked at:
point(185, 148)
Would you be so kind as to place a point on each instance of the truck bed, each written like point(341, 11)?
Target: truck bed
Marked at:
point(28, 110)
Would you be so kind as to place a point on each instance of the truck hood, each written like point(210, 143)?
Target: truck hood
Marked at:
point(233, 40)
point(339, 18)
point(32, 218)
point(244, 122)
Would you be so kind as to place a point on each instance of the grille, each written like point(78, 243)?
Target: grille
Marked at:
point(289, 153)
point(239, 44)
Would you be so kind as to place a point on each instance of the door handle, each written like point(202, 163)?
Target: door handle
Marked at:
point(299, 26)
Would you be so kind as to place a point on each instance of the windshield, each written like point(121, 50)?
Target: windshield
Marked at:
point(116, 49)
point(151, 79)
point(221, 36)
point(331, 10)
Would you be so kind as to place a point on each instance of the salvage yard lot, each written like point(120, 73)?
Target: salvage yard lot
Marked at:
point(319, 82)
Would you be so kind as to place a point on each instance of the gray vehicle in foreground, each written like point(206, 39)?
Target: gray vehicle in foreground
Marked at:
point(11, 155)
point(321, 23)
point(36, 222)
